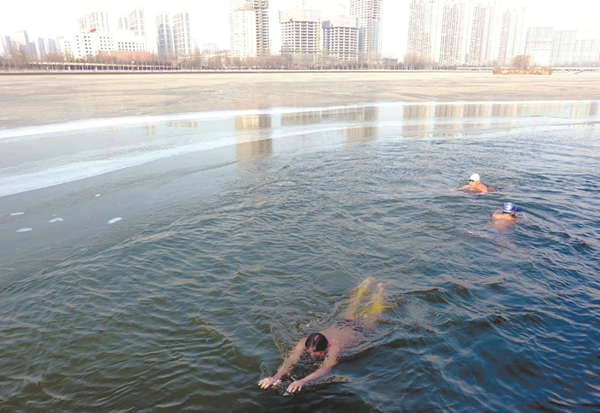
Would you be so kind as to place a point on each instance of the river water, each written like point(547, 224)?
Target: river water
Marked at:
point(168, 263)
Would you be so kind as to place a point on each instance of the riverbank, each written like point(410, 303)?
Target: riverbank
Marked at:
point(41, 99)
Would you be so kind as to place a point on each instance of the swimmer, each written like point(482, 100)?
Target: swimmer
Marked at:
point(501, 220)
point(328, 343)
point(474, 185)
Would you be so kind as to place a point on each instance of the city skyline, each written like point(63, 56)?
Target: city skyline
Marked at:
point(213, 26)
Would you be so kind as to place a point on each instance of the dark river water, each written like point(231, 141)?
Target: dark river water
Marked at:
point(169, 263)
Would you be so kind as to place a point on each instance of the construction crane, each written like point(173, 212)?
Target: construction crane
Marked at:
point(343, 7)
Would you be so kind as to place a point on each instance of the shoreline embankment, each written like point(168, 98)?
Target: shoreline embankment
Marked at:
point(50, 98)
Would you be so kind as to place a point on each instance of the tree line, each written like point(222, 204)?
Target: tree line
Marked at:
point(18, 60)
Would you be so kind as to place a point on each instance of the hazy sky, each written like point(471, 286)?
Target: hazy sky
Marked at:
point(210, 22)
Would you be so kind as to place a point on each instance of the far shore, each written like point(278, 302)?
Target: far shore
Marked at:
point(50, 98)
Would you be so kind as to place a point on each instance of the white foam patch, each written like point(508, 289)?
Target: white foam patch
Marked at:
point(97, 195)
point(24, 230)
point(14, 214)
point(112, 221)
point(56, 220)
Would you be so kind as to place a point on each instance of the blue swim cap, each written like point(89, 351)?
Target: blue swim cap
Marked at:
point(509, 208)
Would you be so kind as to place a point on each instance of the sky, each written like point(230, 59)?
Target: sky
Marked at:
point(210, 22)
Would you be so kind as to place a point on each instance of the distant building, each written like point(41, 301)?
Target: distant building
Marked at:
point(454, 36)
point(6, 45)
point(90, 44)
point(484, 44)
point(210, 48)
point(586, 51)
point(242, 22)
point(300, 33)
point(424, 29)
point(137, 22)
point(164, 36)
point(263, 42)
point(40, 48)
point(340, 37)
point(563, 47)
point(95, 21)
point(20, 44)
point(511, 35)
point(249, 28)
point(539, 45)
point(182, 36)
point(369, 15)
point(122, 23)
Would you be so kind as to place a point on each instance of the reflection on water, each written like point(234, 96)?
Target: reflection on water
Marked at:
point(362, 132)
point(253, 136)
point(63, 152)
point(300, 118)
point(351, 114)
point(188, 125)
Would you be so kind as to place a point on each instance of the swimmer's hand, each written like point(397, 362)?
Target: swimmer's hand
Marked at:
point(295, 386)
point(268, 382)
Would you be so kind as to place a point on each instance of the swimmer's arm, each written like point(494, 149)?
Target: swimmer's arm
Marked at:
point(328, 363)
point(285, 367)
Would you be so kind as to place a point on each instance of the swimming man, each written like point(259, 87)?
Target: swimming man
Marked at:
point(328, 343)
point(474, 185)
point(503, 220)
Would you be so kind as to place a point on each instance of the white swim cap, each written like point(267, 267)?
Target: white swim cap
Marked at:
point(474, 177)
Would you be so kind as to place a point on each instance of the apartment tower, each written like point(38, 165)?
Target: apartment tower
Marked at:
point(424, 29)
point(242, 26)
point(485, 34)
point(249, 28)
point(454, 39)
point(539, 45)
point(95, 21)
point(340, 37)
point(164, 36)
point(563, 47)
point(182, 36)
point(300, 33)
point(511, 35)
point(369, 15)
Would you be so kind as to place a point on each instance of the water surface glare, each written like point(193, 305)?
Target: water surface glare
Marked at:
point(169, 263)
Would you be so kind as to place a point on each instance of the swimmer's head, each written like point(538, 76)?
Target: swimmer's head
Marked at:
point(316, 342)
point(509, 208)
point(474, 178)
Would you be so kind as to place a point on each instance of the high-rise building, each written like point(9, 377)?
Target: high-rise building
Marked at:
point(511, 35)
point(454, 39)
point(485, 33)
point(182, 37)
point(40, 48)
point(122, 23)
point(164, 36)
point(539, 45)
point(210, 48)
point(300, 33)
point(95, 21)
point(137, 22)
point(20, 44)
point(6, 46)
point(563, 46)
point(369, 15)
point(586, 51)
point(249, 27)
point(424, 29)
point(263, 43)
point(340, 37)
point(242, 25)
